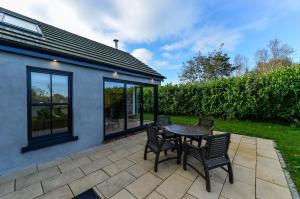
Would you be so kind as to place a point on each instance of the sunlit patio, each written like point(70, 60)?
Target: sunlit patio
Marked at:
point(117, 170)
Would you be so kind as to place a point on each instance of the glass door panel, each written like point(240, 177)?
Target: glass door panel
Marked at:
point(133, 105)
point(148, 106)
point(114, 107)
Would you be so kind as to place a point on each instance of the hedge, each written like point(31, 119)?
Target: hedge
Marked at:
point(273, 96)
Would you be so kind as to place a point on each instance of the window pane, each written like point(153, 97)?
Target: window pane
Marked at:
point(40, 87)
point(148, 96)
point(40, 121)
point(60, 119)
point(20, 23)
point(59, 89)
point(133, 106)
point(114, 113)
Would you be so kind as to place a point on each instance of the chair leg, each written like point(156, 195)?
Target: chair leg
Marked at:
point(156, 162)
point(178, 154)
point(184, 160)
point(207, 180)
point(145, 152)
point(230, 173)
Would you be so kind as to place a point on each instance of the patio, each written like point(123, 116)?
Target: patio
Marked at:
point(117, 170)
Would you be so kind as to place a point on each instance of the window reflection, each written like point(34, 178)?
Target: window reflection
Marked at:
point(114, 113)
point(148, 97)
point(40, 122)
point(59, 89)
point(40, 87)
point(133, 106)
point(59, 119)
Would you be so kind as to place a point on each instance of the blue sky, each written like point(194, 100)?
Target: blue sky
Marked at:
point(165, 33)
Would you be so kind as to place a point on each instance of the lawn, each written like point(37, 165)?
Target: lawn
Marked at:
point(287, 138)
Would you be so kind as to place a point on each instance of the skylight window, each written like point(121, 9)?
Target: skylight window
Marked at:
point(20, 23)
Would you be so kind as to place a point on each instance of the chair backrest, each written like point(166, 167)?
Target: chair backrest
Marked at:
point(164, 120)
point(217, 145)
point(206, 123)
point(152, 132)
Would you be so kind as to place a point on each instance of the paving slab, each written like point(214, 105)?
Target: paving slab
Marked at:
point(61, 179)
point(144, 185)
point(238, 190)
point(95, 165)
point(243, 174)
point(7, 187)
point(29, 192)
point(174, 187)
point(198, 189)
point(87, 182)
point(60, 193)
point(116, 183)
point(124, 194)
point(36, 177)
point(73, 164)
point(155, 195)
point(269, 190)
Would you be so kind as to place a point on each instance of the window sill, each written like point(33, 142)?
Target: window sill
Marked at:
point(34, 145)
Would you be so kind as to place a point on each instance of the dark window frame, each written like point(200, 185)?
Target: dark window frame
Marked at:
point(134, 129)
point(53, 139)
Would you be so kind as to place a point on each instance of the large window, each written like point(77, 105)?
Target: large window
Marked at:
point(50, 104)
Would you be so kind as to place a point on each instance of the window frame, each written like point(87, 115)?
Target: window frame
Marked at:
point(52, 139)
point(19, 28)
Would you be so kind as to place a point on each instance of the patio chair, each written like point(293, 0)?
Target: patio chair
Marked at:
point(164, 120)
point(213, 155)
point(157, 144)
point(202, 122)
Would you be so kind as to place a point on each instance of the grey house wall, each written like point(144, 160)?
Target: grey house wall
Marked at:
point(87, 110)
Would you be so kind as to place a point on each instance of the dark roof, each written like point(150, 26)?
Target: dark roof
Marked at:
point(63, 43)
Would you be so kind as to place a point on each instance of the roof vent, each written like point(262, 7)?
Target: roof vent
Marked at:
point(116, 43)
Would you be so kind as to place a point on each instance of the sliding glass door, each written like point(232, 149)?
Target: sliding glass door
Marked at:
point(133, 105)
point(127, 106)
point(114, 107)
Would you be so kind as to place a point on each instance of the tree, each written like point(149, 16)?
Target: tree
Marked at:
point(274, 56)
point(200, 68)
point(241, 64)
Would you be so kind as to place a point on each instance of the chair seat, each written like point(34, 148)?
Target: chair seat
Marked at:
point(216, 162)
point(167, 145)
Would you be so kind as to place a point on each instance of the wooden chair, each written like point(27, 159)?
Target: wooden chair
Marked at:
point(205, 123)
point(157, 144)
point(213, 155)
point(164, 120)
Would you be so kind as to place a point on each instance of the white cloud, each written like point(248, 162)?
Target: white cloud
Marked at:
point(207, 38)
point(162, 64)
point(130, 21)
point(143, 54)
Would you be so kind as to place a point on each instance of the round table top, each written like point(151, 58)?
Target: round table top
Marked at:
point(187, 130)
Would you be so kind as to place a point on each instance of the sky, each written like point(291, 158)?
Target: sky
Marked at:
point(165, 33)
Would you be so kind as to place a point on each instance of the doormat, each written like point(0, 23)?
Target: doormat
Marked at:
point(89, 194)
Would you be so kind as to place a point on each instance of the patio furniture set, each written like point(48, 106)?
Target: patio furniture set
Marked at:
point(166, 136)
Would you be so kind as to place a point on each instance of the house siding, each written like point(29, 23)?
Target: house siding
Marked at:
point(87, 110)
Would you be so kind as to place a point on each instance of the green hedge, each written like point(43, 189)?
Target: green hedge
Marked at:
point(274, 96)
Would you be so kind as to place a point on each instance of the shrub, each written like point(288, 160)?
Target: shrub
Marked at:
point(273, 96)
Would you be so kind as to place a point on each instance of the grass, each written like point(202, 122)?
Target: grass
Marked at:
point(287, 138)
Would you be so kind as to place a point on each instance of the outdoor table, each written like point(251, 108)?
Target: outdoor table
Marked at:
point(186, 130)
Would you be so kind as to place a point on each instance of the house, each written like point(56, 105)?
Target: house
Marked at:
point(61, 93)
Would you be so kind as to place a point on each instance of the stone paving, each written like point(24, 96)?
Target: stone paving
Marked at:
point(117, 170)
